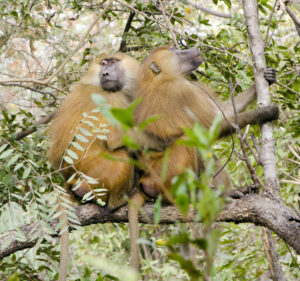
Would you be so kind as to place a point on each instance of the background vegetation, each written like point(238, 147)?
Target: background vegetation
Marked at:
point(41, 57)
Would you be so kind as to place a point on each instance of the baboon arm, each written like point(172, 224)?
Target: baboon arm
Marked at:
point(248, 96)
point(241, 101)
point(261, 115)
point(114, 139)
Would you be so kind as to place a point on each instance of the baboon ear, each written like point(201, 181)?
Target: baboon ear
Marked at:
point(154, 67)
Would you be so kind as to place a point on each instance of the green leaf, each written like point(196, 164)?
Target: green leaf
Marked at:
point(88, 196)
point(201, 243)
point(14, 14)
point(148, 121)
point(187, 265)
point(6, 153)
point(156, 209)
point(89, 123)
point(3, 147)
point(93, 117)
point(104, 108)
point(13, 277)
point(125, 116)
point(13, 160)
point(81, 138)
point(178, 239)
point(102, 137)
point(85, 132)
point(214, 130)
point(68, 159)
point(182, 202)
point(72, 154)
point(130, 143)
point(71, 178)
point(7, 180)
point(165, 164)
point(18, 166)
point(77, 145)
point(228, 3)
point(26, 172)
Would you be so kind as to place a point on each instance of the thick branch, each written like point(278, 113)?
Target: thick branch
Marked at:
point(264, 211)
point(123, 45)
point(251, 208)
point(268, 158)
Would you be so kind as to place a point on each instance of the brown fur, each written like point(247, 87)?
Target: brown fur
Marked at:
point(181, 103)
point(115, 176)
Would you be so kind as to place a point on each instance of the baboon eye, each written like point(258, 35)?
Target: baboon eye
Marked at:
point(114, 60)
point(103, 62)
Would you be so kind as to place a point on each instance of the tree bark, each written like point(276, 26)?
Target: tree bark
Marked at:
point(253, 208)
point(268, 158)
point(269, 246)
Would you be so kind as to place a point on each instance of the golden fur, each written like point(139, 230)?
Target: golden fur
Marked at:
point(115, 176)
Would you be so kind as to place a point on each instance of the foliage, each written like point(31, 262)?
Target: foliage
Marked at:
point(35, 39)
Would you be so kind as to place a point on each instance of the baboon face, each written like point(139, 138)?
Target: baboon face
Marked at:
point(112, 75)
point(188, 60)
point(168, 60)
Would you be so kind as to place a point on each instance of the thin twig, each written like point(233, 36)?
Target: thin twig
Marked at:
point(254, 176)
point(209, 11)
point(34, 81)
point(268, 42)
point(286, 87)
point(256, 157)
point(270, 21)
point(182, 35)
point(294, 18)
point(169, 25)
point(32, 129)
point(79, 45)
point(31, 89)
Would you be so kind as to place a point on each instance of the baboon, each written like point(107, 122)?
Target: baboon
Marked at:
point(180, 103)
point(86, 132)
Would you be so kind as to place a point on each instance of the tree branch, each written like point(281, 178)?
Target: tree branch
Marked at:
point(167, 20)
point(251, 208)
point(80, 44)
point(32, 129)
point(123, 45)
point(267, 156)
point(209, 11)
point(294, 18)
point(275, 268)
